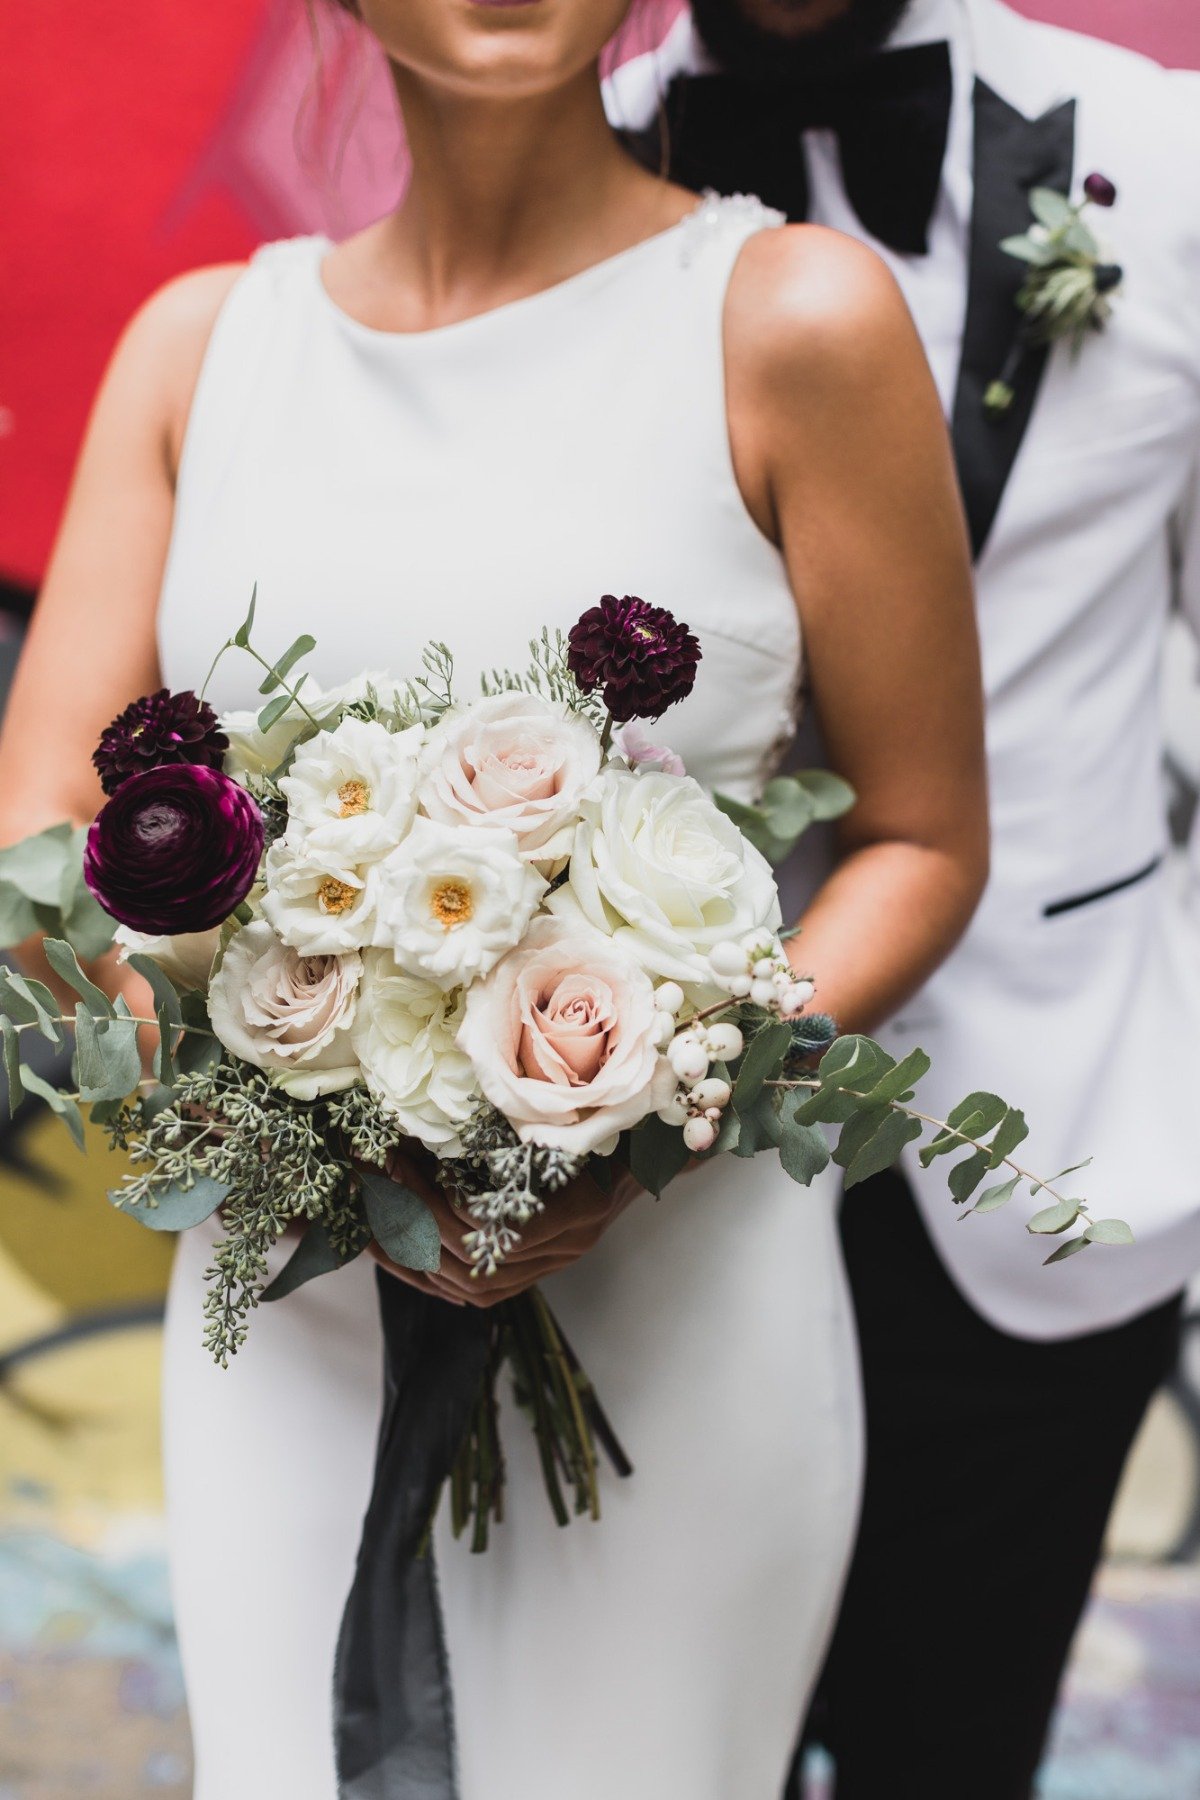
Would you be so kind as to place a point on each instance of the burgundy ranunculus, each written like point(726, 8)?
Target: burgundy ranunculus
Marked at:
point(1100, 190)
point(639, 656)
point(174, 850)
point(159, 728)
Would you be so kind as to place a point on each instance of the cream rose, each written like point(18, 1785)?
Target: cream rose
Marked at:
point(662, 870)
point(561, 1036)
point(186, 958)
point(515, 761)
point(286, 1012)
point(255, 752)
point(453, 899)
point(352, 791)
point(404, 1037)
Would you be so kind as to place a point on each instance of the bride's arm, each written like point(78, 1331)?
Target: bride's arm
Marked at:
point(844, 461)
point(91, 645)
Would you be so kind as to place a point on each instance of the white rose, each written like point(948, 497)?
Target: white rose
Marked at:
point(512, 760)
point(353, 789)
point(286, 1012)
point(186, 958)
point(318, 904)
point(561, 1034)
point(255, 752)
point(404, 1038)
point(453, 899)
point(658, 866)
point(374, 684)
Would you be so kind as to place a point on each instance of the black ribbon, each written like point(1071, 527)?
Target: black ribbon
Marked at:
point(891, 114)
point(393, 1716)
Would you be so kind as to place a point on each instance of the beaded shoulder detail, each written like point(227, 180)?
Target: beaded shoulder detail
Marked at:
point(714, 211)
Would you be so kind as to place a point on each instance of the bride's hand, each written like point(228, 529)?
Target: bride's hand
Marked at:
point(573, 1220)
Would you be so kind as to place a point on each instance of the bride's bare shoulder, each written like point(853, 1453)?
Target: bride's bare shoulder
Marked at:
point(811, 309)
point(154, 368)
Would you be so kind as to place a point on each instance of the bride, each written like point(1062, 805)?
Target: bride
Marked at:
point(546, 376)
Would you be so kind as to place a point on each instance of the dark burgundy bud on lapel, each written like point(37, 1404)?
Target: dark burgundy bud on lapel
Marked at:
point(1108, 276)
point(1100, 190)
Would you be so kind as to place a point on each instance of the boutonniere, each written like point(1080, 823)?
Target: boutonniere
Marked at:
point(1068, 284)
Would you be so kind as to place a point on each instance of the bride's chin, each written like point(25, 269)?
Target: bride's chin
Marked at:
point(497, 48)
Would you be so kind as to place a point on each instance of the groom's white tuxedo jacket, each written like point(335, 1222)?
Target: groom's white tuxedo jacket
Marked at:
point(1076, 991)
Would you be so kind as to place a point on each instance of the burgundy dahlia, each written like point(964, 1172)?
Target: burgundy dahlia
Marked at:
point(639, 656)
point(1100, 190)
point(175, 849)
point(159, 728)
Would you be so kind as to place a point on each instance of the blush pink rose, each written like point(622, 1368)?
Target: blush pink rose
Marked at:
point(561, 1037)
point(512, 760)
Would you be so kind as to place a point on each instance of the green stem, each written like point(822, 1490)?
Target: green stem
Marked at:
point(292, 693)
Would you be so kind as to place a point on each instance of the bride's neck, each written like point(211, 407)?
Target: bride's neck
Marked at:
point(500, 190)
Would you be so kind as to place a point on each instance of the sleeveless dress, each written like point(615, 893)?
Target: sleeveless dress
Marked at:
point(472, 483)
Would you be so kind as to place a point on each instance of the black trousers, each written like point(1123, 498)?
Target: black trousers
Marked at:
point(992, 1464)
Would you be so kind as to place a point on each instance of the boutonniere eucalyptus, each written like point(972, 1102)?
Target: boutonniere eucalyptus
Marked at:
point(1068, 284)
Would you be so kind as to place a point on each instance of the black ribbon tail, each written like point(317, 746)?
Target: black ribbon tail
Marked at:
point(393, 1712)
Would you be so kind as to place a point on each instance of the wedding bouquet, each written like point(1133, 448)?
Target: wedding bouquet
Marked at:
point(506, 939)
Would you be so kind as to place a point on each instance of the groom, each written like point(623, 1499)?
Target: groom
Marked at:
point(1002, 1397)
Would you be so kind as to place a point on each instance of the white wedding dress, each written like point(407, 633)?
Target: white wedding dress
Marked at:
point(471, 484)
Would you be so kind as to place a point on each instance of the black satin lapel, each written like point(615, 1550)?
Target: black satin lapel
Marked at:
point(1012, 155)
point(393, 1721)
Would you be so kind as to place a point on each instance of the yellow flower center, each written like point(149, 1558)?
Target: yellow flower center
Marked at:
point(355, 798)
point(451, 903)
point(335, 896)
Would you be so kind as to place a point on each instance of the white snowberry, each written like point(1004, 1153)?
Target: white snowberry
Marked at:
point(668, 998)
point(688, 1057)
point(713, 1092)
point(727, 960)
point(763, 993)
point(699, 1134)
point(675, 1111)
point(723, 1042)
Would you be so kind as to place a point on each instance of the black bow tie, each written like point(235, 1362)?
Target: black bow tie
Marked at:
point(891, 114)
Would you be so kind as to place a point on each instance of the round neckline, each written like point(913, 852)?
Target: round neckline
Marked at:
point(564, 289)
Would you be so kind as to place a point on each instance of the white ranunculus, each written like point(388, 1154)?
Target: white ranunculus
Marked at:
point(452, 899)
point(561, 1034)
point(353, 790)
point(512, 760)
point(318, 904)
point(186, 958)
point(660, 868)
point(286, 1012)
point(404, 1038)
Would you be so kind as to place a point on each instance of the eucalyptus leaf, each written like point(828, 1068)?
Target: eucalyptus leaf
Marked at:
point(966, 1176)
point(859, 1132)
point(903, 1078)
point(1059, 1217)
point(107, 1056)
point(31, 1003)
point(854, 1061)
point(273, 711)
point(58, 1102)
point(993, 1198)
point(988, 1107)
point(657, 1154)
point(65, 963)
point(761, 1061)
point(177, 1208)
point(314, 1255)
point(12, 1063)
point(84, 923)
point(829, 796)
point(829, 1106)
point(287, 663)
point(1109, 1231)
point(241, 636)
point(1051, 209)
point(18, 920)
point(1011, 1131)
point(1072, 1247)
point(167, 1011)
point(402, 1224)
point(803, 1151)
point(754, 826)
point(882, 1150)
point(35, 865)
